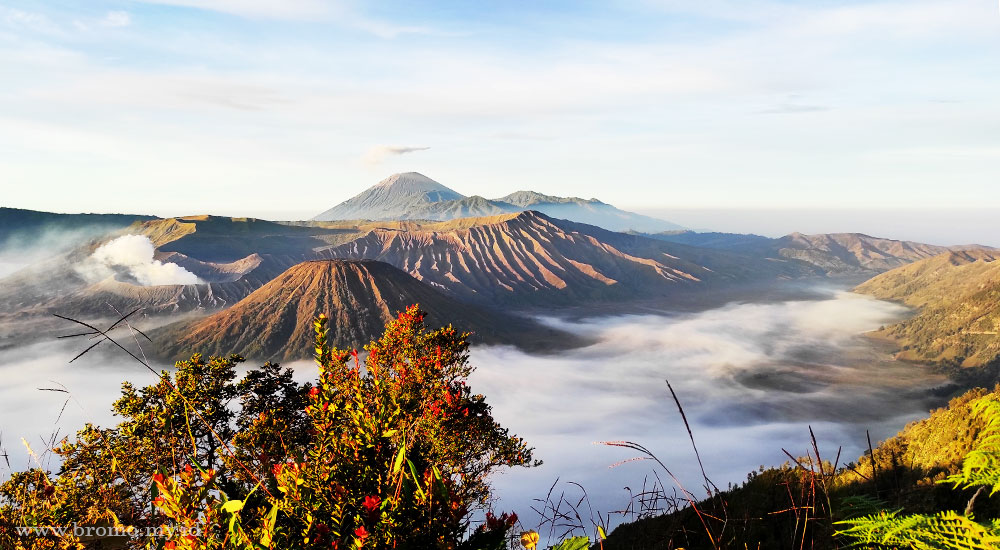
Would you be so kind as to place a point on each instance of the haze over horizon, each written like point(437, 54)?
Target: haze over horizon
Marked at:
point(933, 226)
point(255, 108)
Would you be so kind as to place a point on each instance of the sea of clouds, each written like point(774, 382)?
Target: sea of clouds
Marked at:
point(752, 378)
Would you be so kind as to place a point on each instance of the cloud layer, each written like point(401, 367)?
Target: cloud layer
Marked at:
point(752, 378)
point(379, 153)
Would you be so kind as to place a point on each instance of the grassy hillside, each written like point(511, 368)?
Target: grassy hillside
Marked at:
point(958, 295)
point(787, 507)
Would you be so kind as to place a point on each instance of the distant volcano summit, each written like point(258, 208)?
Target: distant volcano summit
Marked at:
point(414, 196)
point(396, 197)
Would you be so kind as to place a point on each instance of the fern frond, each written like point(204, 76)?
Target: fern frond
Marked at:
point(945, 530)
point(981, 467)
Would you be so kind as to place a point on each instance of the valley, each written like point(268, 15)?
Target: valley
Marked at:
point(761, 337)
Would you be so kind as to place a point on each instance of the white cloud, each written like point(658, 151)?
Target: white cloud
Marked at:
point(117, 19)
point(379, 153)
point(264, 9)
point(247, 110)
point(20, 19)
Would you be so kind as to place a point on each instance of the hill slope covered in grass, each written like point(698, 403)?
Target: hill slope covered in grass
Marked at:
point(958, 296)
point(795, 505)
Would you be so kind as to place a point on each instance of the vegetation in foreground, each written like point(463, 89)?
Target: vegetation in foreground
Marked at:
point(396, 454)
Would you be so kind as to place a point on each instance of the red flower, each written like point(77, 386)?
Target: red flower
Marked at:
point(314, 391)
point(371, 503)
point(361, 534)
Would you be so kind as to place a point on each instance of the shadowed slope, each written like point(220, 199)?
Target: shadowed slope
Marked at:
point(275, 322)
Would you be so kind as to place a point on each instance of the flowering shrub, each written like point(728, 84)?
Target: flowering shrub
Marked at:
point(391, 452)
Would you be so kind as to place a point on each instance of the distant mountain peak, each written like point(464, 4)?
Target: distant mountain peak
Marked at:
point(527, 198)
point(393, 198)
point(414, 182)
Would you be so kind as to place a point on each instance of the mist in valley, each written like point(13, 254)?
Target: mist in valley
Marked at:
point(20, 249)
point(751, 376)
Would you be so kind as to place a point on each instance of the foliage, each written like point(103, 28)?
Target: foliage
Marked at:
point(945, 529)
point(395, 452)
point(795, 505)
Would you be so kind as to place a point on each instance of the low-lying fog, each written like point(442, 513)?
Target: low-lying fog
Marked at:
point(751, 378)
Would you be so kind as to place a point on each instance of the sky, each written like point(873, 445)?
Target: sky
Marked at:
point(281, 109)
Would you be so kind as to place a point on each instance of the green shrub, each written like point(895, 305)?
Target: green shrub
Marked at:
point(392, 453)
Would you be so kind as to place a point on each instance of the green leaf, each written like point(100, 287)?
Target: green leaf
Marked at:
point(398, 463)
point(575, 543)
point(416, 478)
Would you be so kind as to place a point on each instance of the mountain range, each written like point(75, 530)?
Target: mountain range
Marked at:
point(414, 196)
point(524, 259)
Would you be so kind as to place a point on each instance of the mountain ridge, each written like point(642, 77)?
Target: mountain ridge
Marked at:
point(359, 296)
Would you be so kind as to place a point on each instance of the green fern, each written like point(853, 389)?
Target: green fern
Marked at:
point(922, 532)
point(949, 529)
point(981, 467)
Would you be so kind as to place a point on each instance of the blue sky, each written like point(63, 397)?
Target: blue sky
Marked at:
point(283, 108)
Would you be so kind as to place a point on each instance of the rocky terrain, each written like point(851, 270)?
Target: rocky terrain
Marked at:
point(275, 321)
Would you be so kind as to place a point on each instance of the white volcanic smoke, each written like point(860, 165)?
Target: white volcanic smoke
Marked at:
point(131, 257)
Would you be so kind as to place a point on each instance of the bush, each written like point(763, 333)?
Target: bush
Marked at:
point(395, 453)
